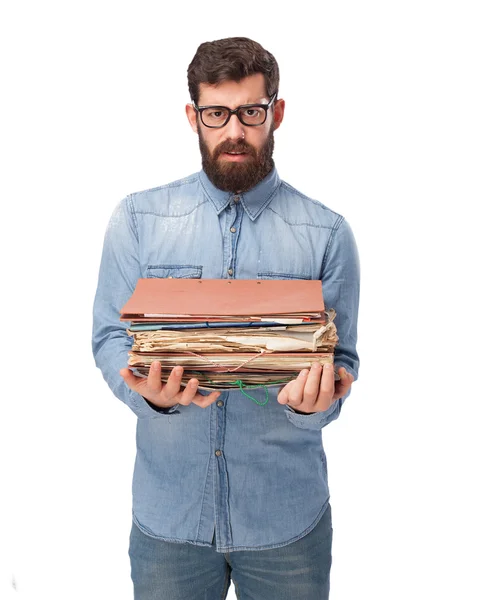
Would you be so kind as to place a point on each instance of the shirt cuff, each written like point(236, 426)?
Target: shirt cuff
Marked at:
point(163, 411)
point(315, 420)
point(146, 410)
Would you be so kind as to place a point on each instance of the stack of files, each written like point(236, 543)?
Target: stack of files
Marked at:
point(229, 332)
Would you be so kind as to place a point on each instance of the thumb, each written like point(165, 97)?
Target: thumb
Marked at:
point(129, 378)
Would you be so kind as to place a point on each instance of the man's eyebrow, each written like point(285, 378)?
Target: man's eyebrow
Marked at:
point(242, 104)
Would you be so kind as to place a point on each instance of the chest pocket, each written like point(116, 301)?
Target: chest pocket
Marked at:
point(271, 275)
point(174, 271)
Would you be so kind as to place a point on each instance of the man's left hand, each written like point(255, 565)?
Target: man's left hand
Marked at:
point(314, 390)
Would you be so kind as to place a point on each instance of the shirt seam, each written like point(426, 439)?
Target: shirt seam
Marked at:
point(238, 548)
point(334, 229)
point(293, 190)
point(131, 209)
point(166, 216)
point(252, 216)
point(300, 224)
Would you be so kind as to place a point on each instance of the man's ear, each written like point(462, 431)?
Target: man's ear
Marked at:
point(278, 113)
point(192, 117)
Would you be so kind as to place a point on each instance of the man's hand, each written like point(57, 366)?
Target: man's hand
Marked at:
point(165, 395)
point(315, 390)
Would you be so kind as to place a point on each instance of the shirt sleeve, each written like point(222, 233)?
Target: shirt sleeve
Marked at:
point(119, 272)
point(340, 281)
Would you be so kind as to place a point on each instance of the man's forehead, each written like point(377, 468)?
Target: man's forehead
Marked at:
point(245, 91)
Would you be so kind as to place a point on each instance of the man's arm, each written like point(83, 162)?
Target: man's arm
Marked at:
point(119, 272)
point(314, 394)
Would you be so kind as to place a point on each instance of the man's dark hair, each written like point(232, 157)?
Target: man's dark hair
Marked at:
point(231, 59)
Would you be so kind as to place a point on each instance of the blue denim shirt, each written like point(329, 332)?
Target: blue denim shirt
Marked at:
point(251, 477)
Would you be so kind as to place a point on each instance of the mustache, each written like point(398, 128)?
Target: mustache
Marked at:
point(229, 146)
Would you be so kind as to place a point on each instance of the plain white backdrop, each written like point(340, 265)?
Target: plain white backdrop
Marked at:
point(381, 125)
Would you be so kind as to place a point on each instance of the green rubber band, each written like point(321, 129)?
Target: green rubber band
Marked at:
point(243, 387)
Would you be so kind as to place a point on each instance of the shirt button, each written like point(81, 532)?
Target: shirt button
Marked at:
point(233, 229)
point(220, 403)
point(230, 271)
point(236, 199)
point(218, 453)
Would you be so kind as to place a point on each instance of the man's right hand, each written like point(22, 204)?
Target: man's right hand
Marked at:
point(170, 393)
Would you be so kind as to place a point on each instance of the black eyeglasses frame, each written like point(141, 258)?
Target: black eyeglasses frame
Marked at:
point(200, 109)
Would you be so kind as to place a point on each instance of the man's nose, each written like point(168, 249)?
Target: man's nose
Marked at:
point(234, 128)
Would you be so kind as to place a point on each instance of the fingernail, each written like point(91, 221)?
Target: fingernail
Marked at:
point(328, 366)
point(316, 365)
point(304, 373)
point(177, 370)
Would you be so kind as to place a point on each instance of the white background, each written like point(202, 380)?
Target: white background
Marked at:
point(381, 125)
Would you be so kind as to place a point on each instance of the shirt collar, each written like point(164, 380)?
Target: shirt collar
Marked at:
point(254, 201)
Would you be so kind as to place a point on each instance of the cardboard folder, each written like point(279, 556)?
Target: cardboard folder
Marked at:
point(217, 299)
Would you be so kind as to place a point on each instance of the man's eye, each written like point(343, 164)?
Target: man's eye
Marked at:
point(251, 112)
point(216, 114)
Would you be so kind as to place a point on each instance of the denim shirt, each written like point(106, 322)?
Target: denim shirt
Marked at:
point(235, 475)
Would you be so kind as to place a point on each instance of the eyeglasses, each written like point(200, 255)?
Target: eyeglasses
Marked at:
point(251, 115)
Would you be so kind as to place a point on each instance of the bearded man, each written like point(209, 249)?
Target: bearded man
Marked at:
point(224, 489)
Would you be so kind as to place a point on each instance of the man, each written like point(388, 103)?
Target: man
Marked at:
point(224, 488)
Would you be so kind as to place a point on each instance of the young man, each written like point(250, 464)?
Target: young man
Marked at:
point(224, 488)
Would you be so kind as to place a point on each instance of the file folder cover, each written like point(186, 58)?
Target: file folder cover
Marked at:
point(183, 298)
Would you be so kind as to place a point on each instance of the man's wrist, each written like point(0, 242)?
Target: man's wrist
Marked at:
point(160, 409)
point(299, 412)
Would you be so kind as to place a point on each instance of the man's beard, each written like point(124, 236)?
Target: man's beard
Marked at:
point(232, 176)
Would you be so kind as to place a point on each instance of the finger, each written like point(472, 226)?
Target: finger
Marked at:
point(312, 387)
point(342, 386)
point(189, 392)
point(326, 390)
point(131, 380)
point(154, 377)
point(173, 384)
point(295, 392)
point(283, 395)
point(205, 401)
point(344, 375)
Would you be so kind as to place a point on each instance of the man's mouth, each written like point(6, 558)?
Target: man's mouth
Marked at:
point(235, 156)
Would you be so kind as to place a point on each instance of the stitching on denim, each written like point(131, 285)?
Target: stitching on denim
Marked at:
point(274, 546)
point(173, 540)
point(281, 275)
point(203, 500)
point(260, 209)
point(195, 267)
point(238, 595)
point(312, 200)
point(222, 207)
point(334, 229)
point(166, 216)
point(301, 224)
point(226, 583)
point(131, 208)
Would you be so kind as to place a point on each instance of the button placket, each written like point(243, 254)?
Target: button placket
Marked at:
point(234, 228)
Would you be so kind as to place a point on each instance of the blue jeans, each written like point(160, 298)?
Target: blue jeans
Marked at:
point(169, 571)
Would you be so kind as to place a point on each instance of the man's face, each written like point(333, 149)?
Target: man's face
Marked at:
point(236, 157)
